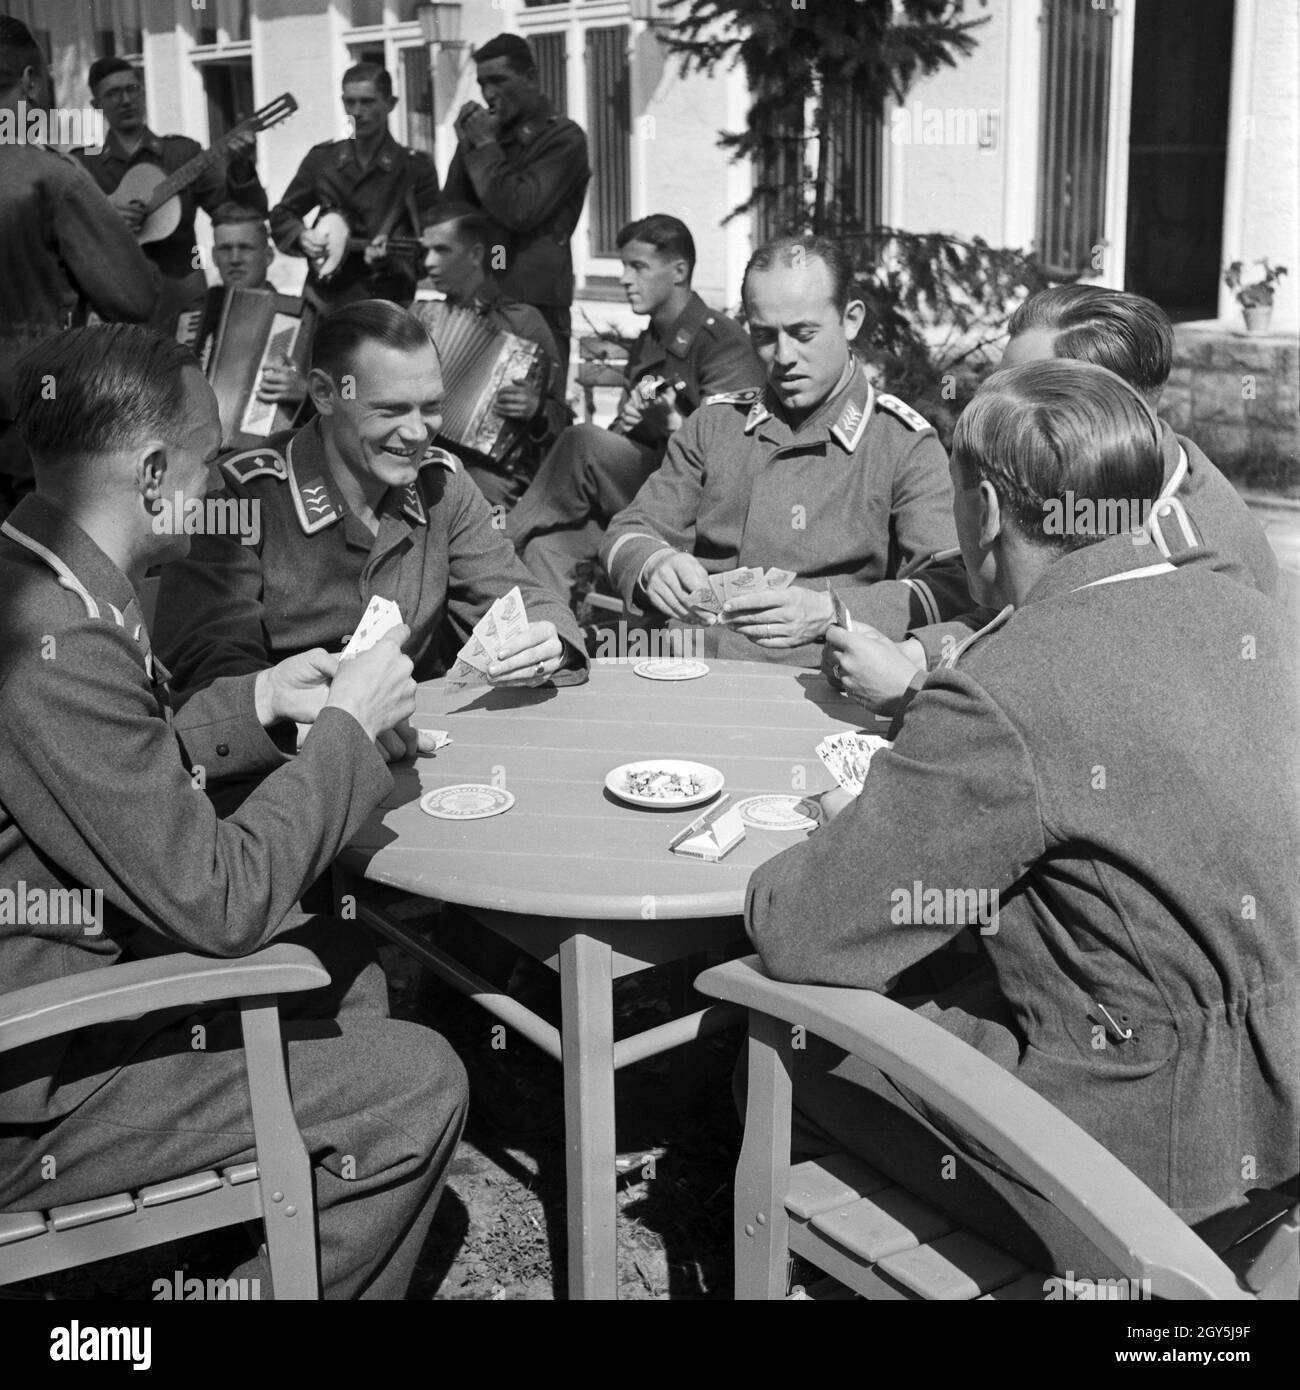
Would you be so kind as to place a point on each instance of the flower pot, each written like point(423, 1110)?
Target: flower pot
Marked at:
point(1257, 317)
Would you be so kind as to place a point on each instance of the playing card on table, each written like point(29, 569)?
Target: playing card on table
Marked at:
point(842, 618)
point(381, 615)
point(745, 580)
point(779, 579)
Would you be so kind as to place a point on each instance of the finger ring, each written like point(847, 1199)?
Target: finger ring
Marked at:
point(836, 672)
point(541, 666)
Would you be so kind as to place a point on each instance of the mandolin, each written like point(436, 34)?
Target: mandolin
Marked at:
point(159, 192)
point(339, 242)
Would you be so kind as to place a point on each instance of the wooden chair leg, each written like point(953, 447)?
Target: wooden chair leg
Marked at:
point(762, 1231)
point(284, 1170)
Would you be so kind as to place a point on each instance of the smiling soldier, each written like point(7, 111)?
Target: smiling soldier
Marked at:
point(357, 504)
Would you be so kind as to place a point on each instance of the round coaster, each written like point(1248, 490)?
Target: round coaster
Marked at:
point(466, 801)
point(671, 669)
point(780, 812)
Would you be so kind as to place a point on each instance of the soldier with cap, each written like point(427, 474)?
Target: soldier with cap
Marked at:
point(99, 780)
point(687, 352)
point(818, 474)
point(526, 167)
point(353, 505)
point(381, 189)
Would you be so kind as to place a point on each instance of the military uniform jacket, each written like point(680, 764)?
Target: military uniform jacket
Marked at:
point(222, 182)
point(99, 789)
point(531, 181)
point(307, 581)
point(62, 243)
point(856, 494)
point(1233, 540)
point(1117, 759)
point(706, 352)
point(398, 179)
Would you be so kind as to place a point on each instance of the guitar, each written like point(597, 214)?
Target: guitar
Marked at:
point(148, 184)
point(339, 243)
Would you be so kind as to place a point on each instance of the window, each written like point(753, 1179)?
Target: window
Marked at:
point(228, 87)
point(417, 87)
point(780, 176)
point(220, 23)
point(366, 13)
point(117, 28)
point(1075, 102)
point(552, 69)
point(609, 128)
point(856, 135)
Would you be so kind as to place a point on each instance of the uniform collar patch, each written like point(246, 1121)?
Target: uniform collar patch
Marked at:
point(442, 457)
point(312, 499)
point(413, 505)
point(856, 411)
point(758, 412)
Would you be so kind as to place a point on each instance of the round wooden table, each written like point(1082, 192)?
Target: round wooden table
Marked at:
point(585, 882)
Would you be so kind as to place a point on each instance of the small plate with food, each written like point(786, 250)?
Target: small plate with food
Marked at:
point(665, 783)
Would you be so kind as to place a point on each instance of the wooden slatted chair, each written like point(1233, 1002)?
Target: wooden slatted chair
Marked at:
point(275, 1189)
point(601, 362)
point(877, 1239)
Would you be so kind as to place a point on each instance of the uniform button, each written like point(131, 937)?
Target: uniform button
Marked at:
point(223, 750)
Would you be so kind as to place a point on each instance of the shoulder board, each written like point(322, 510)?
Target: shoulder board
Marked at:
point(254, 463)
point(734, 397)
point(442, 457)
point(904, 412)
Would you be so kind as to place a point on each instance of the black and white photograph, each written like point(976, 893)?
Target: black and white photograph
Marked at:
point(649, 651)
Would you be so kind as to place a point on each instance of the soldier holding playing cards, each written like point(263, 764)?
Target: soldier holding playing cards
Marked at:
point(818, 475)
point(357, 505)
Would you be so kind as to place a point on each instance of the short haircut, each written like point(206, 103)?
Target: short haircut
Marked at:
point(515, 50)
point(468, 223)
point(1130, 335)
point(106, 67)
point(95, 391)
point(18, 52)
point(341, 334)
point(670, 236)
point(1042, 430)
point(370, 72)
point(797, 250)
point(237, 214)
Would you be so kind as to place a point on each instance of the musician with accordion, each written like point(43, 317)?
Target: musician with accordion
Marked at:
point(134, 159)
point(503, 404)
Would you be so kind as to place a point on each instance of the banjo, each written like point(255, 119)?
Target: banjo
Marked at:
point(160, 192)
point(333, 228)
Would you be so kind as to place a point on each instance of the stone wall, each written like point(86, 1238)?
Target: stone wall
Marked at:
point(1238, 396)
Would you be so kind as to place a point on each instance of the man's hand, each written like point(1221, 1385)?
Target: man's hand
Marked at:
point(780, 617)
point(517, 401)
point(669, 580)
point(296, 688)
point(243, 145)
point(866, 664)
point(657, 409)
point(401, 741)
point(281, 381)
point(132, 214)
point(475, 126)
point(376, 687)
point(376, 252)
point(834, 801)
point(313, 245)
point(533, 657)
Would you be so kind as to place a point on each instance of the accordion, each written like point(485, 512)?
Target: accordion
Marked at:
point(256, 329)
point(477, 362)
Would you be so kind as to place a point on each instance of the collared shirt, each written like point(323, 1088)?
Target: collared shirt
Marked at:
point(1104, 789)
point(702, 354)
point(60, 240)
point(396, 192)
point(853, 495)
point(532, 181)
point(222, 182)
point(101, 790)
point(315, 566)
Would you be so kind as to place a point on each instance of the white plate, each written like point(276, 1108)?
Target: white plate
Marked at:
point(671, 669)
point(710, 778)
point(466, 801)
point(780, 812)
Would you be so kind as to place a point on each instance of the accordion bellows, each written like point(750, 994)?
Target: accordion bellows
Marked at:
point(478, 360)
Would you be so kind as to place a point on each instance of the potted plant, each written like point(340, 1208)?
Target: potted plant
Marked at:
point(1256, 298)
